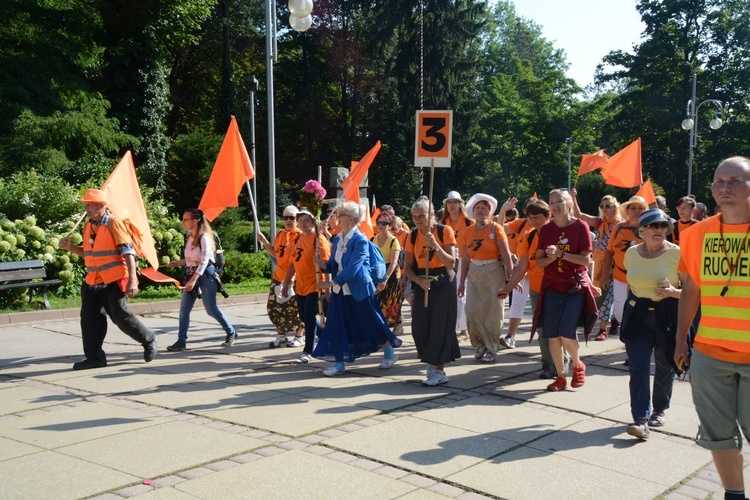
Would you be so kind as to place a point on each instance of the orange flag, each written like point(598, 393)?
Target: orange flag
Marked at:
point(647, 193)
point(158, 277)
point(366, 226)
point(589, 163)
point(125, 201)
point(357, 173)
point(231, 170)
point(624, 168)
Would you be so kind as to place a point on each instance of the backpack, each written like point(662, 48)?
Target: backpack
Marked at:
point(377, 263)
point(219, 260)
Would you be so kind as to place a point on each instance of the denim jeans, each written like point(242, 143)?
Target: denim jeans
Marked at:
point(208, 286)
point(649, 339)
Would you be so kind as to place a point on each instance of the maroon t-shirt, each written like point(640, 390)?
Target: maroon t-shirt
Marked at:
point(573, 239)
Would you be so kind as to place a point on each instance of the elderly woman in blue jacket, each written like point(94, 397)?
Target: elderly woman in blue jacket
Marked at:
point(355, 325)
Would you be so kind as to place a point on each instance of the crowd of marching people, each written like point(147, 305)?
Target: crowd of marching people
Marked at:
point(674, 289)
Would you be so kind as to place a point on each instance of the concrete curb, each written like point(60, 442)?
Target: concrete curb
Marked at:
point(140, 308)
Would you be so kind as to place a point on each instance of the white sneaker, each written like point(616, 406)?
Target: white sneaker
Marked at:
point(388, 363)
point(303, 359)
point(488, 357)
point(510, 341)
point(296, 342)
point(280, 339)
point(479, 354)
point(332, 372)
point(438, 377)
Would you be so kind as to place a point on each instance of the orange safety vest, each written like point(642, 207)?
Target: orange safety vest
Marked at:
point(102, 257)
point(725, 319)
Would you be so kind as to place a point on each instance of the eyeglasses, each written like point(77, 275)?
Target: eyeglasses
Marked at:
point(605, 206)
point(657, 225)
point(382, 223)
point(289, 217)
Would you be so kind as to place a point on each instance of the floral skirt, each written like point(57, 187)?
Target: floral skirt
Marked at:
point(390, 300)
point(285, 317)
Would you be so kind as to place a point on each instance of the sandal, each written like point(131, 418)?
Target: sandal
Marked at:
point(558, 385)
point(602, 335)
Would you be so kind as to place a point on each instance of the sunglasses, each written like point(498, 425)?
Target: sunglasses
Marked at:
point(603, 206)
point(382, 223)
point(657, 225)
point(289, 217)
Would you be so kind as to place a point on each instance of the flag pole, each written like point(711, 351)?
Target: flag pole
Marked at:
point(80, 219)
point(429, 226)
point(252, 204)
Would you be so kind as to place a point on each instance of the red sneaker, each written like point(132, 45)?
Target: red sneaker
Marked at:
point(558, 385)
point(579, 375)
point(602, 335)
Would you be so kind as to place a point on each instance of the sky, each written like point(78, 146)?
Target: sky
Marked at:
point(586, 29)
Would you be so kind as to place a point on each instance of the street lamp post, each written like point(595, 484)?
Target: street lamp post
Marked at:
point(253, 84)
point(690, 123)
point(300, 20)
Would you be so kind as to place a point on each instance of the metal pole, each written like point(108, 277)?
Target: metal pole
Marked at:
point(569, 140)
point(253, 86)
point(270, 57)
point(694, 117)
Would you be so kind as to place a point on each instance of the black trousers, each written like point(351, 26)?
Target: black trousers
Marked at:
point(96, 305)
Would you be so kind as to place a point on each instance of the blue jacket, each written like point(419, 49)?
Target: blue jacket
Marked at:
point(355, 266)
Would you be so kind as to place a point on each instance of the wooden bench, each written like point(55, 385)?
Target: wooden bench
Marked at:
point(22, 273)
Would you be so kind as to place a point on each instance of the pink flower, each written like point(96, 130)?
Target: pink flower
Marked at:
point(314, 187)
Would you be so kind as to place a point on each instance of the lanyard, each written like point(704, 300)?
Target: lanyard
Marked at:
point(732, 268)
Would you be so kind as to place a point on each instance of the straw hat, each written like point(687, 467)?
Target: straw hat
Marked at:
point(634, 199)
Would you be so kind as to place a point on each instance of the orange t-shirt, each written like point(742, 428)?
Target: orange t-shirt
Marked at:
point(517, 227)
point(458, 226)
point(481, 244)
point(283, 246)
point(533, 273)
point(623, 237)
point(724, 329)
point(418, 248)
point(304, 268)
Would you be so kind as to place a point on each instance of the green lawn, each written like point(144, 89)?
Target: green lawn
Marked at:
point(150, 294)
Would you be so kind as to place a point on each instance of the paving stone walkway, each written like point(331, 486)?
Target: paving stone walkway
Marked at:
point(247, 422)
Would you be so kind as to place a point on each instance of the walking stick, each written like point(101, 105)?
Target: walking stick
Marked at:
point(321, 313)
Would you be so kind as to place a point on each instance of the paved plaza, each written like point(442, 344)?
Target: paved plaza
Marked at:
point(247, 422)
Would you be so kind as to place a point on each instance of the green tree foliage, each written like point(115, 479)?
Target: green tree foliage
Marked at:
point(706, 37)
point(528, 109)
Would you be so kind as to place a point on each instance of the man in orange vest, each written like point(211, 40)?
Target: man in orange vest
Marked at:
point(110, 262)
point(716, 257)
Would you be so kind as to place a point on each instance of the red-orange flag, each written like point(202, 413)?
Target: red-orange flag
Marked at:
point(624, 168)
point(125, 201)
point(357, 173)
point(589, 163)
point(158, 277)
point(231, 170)
point(647, 193)
point(366, 226)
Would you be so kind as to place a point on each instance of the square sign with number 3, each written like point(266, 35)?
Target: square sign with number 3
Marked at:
point(434, 139)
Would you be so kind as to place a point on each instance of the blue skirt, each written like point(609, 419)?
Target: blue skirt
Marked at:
point(353, 329)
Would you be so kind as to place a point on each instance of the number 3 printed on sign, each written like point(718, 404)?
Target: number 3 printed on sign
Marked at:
point(435, 134)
